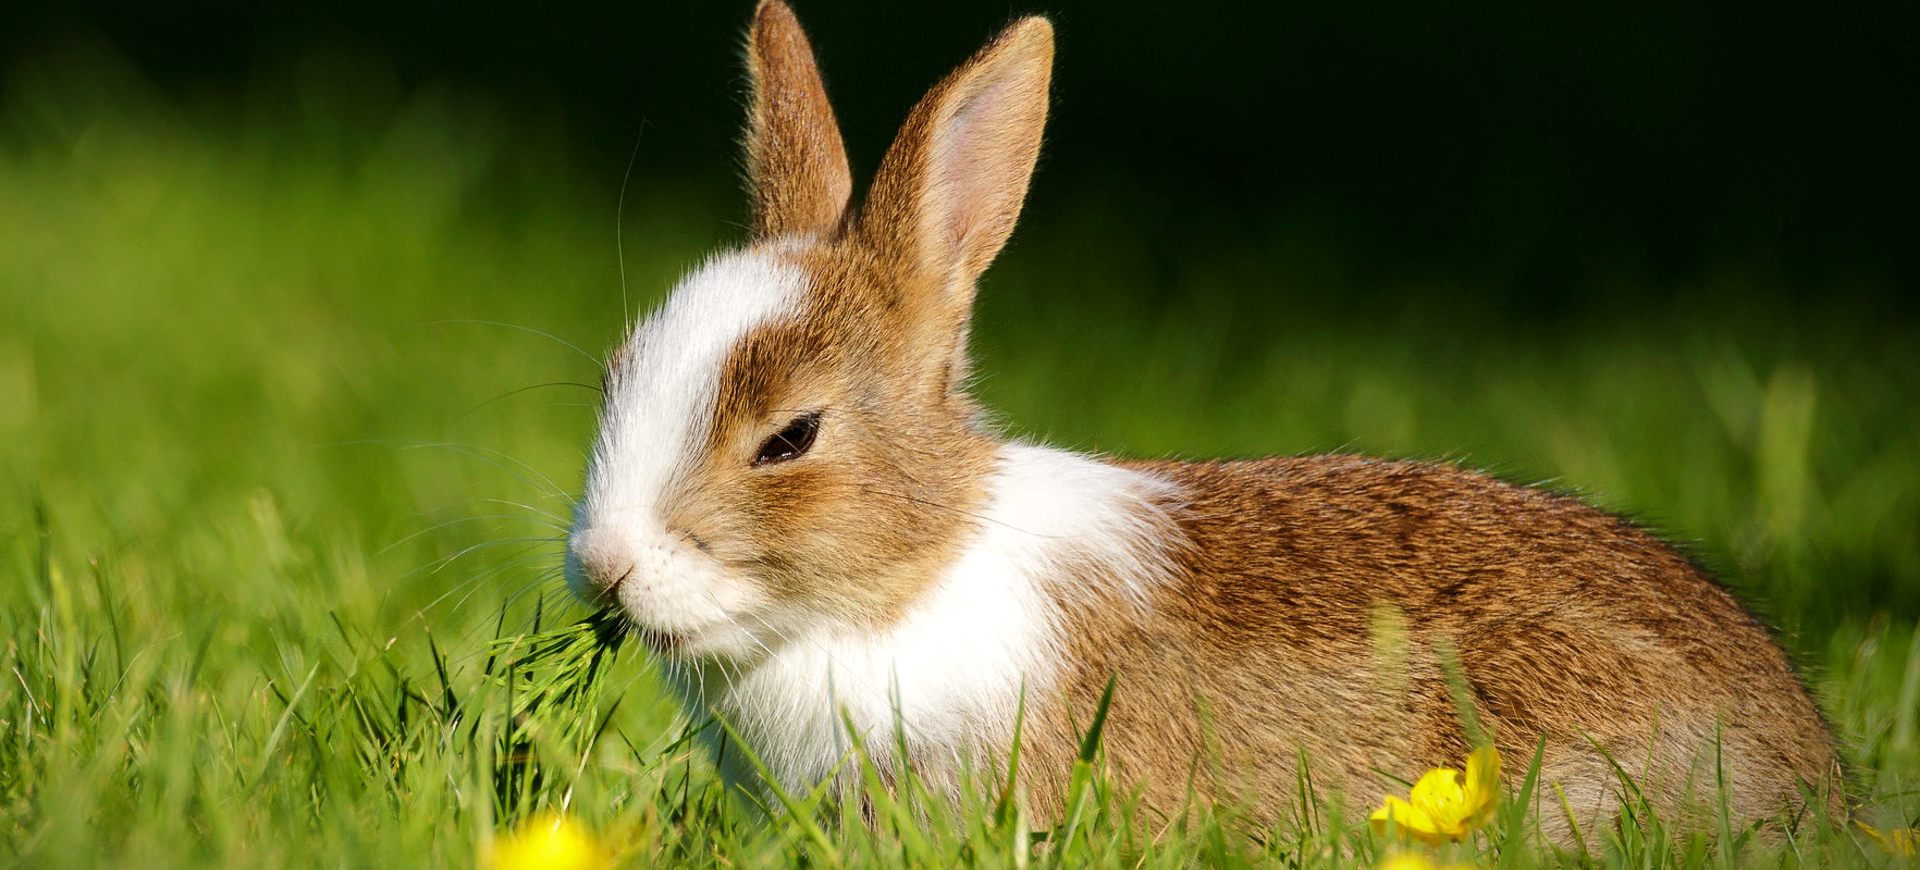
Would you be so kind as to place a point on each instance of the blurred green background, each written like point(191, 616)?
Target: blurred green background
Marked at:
point(1629, 250)
point(1538, 161)
point(291, 296)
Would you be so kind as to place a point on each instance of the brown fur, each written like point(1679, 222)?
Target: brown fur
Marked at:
point(796, 163)
point(1312, 602)
point(883, 349)
point(1319, 595)
point(865, 525)
point(950, 187)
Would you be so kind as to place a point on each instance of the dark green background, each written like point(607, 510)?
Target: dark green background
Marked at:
point(1547, 162)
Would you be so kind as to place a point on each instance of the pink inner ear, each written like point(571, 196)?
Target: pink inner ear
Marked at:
point(979, 174)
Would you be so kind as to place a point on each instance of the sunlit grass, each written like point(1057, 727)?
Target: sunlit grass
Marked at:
point(283, 474)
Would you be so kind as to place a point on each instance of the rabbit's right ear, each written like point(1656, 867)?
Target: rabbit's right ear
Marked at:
point(950, 187)
point(796, 164)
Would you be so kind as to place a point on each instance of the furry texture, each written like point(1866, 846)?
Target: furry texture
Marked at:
point(951, 670)
point(910, 564)
point(660, 392)
point(1321, 596)
point(796, 165)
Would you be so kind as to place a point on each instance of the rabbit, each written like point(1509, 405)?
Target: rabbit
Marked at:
point(798, 508)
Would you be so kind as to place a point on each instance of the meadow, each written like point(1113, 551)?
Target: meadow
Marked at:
point(294, 390)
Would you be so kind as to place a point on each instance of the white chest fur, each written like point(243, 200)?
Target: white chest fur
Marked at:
point(949, 675)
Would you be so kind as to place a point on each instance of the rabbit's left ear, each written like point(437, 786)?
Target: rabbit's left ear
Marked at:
point(796, 163)
point(949, 189)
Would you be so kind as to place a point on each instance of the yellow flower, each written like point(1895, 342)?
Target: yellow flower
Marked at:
point(1406, 861)
point(1904, 842)
point(1415, 861)
point(1445, 804)
point(550, 841)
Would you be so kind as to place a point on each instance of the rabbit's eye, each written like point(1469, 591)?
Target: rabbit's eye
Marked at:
point(791, 442)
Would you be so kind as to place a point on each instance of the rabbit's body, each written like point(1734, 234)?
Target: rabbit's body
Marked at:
point(1272, 607)
point(1319, 596)
point(794, 501)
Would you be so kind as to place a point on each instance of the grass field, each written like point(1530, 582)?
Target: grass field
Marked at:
point(290, 411)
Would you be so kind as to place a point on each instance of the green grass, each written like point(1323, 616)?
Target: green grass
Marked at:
point(283, 473)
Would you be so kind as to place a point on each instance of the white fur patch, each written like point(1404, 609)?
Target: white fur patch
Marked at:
point(953, 668)
point(657, 417)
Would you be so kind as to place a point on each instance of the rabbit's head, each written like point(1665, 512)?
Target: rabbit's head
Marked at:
point(785, 442)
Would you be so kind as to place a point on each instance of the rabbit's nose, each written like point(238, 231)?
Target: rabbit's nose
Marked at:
point(600, 561)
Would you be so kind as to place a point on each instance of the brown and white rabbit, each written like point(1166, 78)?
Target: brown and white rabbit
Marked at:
point(799, 509)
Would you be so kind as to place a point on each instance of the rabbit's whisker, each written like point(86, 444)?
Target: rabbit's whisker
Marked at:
point(471, 321)
point(511, 393)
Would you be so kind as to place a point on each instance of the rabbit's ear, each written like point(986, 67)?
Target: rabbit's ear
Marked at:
point(949, 190)
point(796, 163)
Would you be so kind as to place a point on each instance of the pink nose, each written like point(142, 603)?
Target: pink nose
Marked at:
point(603, 559)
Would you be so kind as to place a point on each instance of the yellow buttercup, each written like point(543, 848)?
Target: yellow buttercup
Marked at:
point(550, 841)
point(1413, 861)
point(1445, 804)
point(1900, 842)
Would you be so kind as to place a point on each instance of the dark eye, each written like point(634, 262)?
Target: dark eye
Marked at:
point(791, 442)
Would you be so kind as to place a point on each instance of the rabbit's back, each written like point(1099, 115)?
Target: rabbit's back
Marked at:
point(1324, 600)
